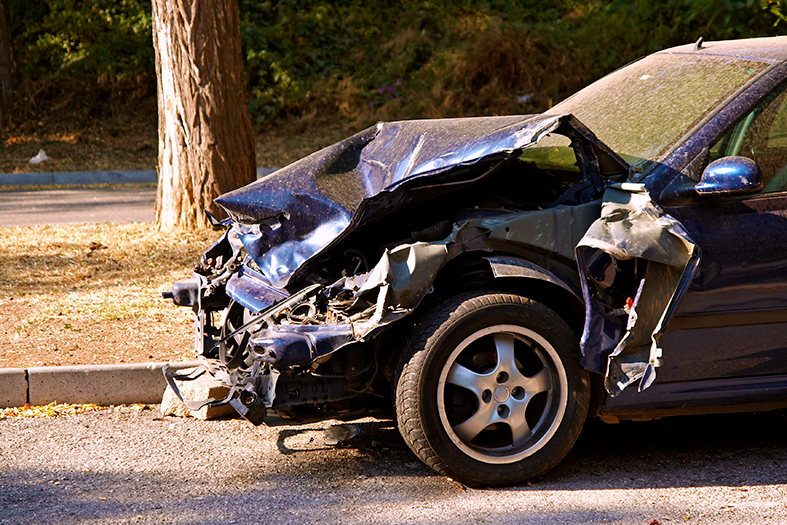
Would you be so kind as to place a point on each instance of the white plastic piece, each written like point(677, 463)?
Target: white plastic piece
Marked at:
point(40, 157)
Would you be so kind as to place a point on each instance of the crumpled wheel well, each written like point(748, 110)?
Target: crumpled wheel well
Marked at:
point(474, 272)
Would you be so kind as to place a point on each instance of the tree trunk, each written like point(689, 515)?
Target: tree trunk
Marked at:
point(206, 145)
point(8, 72)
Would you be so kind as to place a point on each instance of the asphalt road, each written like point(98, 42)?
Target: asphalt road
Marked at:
point(135, 466)
point(76, 206)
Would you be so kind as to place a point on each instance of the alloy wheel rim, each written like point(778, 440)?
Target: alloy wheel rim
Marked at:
point(518, 386)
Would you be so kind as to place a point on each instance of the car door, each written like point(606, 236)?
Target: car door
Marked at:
point(732, 321)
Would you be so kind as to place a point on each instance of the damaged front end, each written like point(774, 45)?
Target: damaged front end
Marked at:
point(322, 257)
point(315, 353)
point(270, 347)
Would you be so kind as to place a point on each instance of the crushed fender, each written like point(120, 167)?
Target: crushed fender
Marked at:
point(635, 262)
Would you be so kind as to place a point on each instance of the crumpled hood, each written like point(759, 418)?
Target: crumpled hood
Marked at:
point(301, 209)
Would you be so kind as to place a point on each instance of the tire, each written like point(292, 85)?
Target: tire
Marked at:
point(470, 411)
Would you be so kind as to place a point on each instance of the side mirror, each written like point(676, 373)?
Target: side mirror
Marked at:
point(730, 176)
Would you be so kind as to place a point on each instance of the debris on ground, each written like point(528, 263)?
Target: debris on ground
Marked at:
point(40, 157)
point(336, 434)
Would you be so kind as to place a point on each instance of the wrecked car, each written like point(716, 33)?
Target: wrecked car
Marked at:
point(492, 282)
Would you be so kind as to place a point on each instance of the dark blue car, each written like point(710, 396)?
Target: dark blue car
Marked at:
point(492, 282)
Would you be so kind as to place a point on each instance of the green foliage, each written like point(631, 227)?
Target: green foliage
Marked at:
point(310, 55)
point(362, 61)
point(382, 60)
point(775, 8)
point(98, 46)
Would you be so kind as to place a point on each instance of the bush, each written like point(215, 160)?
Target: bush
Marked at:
point(380, 60)
point(362, 61)
point(99, 49)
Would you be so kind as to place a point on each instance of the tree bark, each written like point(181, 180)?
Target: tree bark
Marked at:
point(9, 78)
point(206, 145)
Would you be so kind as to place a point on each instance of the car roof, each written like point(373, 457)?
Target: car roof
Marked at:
point(771, 49)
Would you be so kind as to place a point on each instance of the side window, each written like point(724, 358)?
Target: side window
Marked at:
point(761, 135)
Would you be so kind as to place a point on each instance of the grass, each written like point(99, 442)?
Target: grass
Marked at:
point(91, 294)
point(63, 303)
point(289, 141)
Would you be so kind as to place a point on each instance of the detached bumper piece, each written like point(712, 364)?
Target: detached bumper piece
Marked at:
point(246, 402)
point(299, 345)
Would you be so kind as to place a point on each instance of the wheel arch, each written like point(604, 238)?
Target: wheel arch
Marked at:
point(500, 272)
point(515, 274)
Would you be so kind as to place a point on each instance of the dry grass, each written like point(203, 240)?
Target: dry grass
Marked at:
point(55, 409)
point(114, 147)
point(292, 140)
point(125, 142)
point(91, 294)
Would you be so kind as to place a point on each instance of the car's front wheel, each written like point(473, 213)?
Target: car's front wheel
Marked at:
point(490, 391)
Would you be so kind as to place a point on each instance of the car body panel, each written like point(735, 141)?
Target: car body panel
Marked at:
point(629, 306)
point(739, 295)
point(705, 396)
point(764, 49)
point(299, 211)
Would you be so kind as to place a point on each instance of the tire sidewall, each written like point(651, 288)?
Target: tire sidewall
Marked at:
point(460, 324)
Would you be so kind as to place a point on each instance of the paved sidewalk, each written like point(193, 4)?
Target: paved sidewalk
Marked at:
point(78, 177)
point(80, 205)
point(90, 177)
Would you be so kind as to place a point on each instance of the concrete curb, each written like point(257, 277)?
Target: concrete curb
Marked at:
point(99, 384)
point(13, 387)
point(77, 178)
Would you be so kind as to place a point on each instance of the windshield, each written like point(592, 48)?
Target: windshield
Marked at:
point(643, 109)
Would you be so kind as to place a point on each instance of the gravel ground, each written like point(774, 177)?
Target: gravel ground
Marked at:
point(132, 466)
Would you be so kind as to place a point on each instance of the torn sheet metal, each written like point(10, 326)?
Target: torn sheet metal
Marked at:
point(392, 289)
point(635, 263)
point(299, 211)
point(404, 276)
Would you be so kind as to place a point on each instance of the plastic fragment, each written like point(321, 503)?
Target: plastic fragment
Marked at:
point(335, 434)
point(40, 157)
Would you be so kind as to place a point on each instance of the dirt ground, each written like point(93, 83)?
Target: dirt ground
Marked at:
point(91, 294)
point(129, 142)
point(65, 303)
